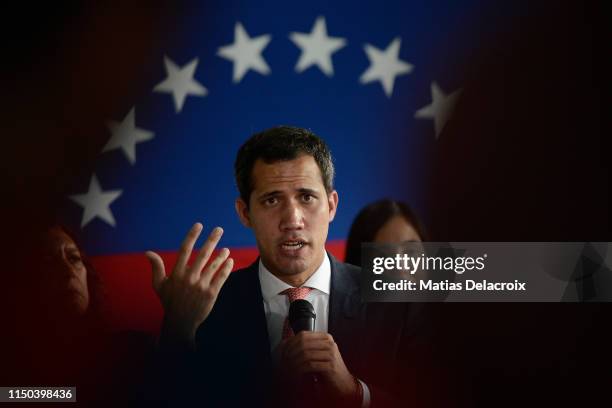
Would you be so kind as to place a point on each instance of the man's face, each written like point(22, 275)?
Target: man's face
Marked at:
point(289, 212)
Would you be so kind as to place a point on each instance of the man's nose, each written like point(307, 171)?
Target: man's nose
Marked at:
point(292, 217)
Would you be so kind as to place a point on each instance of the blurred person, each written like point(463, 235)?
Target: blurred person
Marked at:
point(61, 335)
point(68, 289)
point(395, 226)
point(60, 318)
point(383, 221)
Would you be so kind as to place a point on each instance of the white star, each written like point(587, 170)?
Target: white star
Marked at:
point(180, 82)
point(440, 108)
point(96, 203)
point(385, 65)
point(317, 48)
point(245, 53)
point(125, 135)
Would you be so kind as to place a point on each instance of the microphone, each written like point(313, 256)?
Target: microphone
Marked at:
point(301, 316)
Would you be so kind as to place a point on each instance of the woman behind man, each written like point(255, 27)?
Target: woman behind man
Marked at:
point(393, 222)
point(383, 221)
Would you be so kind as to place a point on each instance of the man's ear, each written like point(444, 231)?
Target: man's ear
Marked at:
point(332, 200)
point(243, 212)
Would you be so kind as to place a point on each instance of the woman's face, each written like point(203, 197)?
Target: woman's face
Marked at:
point(396, 229)
point(64, 273)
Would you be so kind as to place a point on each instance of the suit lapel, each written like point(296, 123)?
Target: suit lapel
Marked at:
point(256, 318)
point(346, 311)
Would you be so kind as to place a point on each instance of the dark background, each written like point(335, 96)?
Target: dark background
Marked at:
point(530, 162)
point(526, 147)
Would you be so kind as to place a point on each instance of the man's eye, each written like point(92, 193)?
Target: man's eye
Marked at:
point(271, 201)
point(308, 198)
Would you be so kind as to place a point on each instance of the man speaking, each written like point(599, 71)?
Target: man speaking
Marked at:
point(232, 329)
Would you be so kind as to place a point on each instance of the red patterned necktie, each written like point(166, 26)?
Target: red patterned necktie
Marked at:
point(293, 294)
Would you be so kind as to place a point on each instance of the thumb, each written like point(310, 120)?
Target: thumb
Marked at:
point(158, 272)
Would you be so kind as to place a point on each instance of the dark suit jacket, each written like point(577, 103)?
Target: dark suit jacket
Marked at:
point(233, 363)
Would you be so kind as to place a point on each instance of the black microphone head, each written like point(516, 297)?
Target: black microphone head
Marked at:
point(301, 316)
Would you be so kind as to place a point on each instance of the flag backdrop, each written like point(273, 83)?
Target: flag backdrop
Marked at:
point(376, 80)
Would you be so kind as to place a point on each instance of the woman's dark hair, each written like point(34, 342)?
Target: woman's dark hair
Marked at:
point(371, 219)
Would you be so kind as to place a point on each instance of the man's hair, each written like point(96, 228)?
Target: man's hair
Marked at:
point(281, 143)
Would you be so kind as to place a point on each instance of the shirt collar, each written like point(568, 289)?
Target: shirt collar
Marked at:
point(271, 286)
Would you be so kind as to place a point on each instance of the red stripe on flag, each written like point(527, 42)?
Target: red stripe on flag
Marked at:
point(130, 300)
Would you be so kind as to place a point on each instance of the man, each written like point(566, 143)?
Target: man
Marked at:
point(244, 351)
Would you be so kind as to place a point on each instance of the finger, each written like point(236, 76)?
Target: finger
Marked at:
point(295, 341)
point(298, 348)
point(211, 269)
point(316, 355)
point(207, 249)
point(308, 342)
point(186, 248)
point(308, 337)
point(158, 272)
point(219, 279)
point(313, 334)
point(314, 367)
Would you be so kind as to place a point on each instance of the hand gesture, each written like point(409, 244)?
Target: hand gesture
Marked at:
point(189, 293)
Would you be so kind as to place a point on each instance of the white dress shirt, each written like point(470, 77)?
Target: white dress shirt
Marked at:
point(276, 305)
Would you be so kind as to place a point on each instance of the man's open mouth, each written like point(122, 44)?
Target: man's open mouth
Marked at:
point(292, 245)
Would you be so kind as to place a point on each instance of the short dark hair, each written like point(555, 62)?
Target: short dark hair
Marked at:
point(281, 143)
point(371, 219)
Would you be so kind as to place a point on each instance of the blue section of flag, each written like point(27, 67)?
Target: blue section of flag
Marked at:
point(185, 173)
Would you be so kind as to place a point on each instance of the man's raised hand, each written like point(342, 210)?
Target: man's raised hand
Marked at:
point(189, 293)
